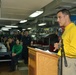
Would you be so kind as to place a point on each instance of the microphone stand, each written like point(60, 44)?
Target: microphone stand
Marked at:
point(63, 56)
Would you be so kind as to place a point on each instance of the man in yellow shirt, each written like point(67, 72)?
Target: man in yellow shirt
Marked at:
point(69, 42)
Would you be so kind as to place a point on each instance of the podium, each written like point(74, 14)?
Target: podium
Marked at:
point(42, 63)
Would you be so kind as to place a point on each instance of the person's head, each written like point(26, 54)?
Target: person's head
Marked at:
point(17, 42)
point(26, 32)
point(10, 39)
point(63, 17)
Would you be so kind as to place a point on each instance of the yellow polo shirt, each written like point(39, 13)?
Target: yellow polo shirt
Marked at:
point(69, 41)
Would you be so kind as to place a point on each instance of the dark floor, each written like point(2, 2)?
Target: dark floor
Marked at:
point(22, 69)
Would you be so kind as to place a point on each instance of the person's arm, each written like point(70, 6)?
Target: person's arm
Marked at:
point(31, 40)
point(57, 45)
point(8, 46)
point(13, 54)
point(31, 43)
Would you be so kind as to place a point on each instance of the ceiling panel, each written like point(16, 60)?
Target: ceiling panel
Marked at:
point(27, 4)
point(16, 10)
point(21, 7)
point(12, 11)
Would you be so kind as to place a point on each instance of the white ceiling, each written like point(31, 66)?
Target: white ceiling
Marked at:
point(12, 11)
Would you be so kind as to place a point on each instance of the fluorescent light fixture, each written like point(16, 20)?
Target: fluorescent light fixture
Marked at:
point(28, 28)
point(41, 24)
point(23, 29)
point(18, 30)
point(11, 26)
point(35, 14)
point(5, 29)
point(33, 35)
point(23, 21)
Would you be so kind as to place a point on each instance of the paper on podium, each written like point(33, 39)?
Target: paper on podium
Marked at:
point(50, 52)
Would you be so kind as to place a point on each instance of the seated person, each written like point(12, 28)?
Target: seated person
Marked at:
point(10, 43)
point(16, 51)
point(2, 47)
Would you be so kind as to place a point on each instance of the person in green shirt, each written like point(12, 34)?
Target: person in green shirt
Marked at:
point(16, 52)
point(69, 43)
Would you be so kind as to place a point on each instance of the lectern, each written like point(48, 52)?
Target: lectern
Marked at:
point(42, 63)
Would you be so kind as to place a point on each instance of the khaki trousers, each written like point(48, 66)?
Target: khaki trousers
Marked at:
point(70, 69)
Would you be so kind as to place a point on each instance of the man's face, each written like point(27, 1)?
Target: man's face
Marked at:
point(61, 19)
point(26, 33)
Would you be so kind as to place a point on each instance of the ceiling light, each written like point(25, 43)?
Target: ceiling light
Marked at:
point(33, 35)
point(28, 28)
point(5, 29)
point(23, 21)
point(23, 29)
point(41, 24)
point(18, 30)
point(11, 26)
point(35, 14)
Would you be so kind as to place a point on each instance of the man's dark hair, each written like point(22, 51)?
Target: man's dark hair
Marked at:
point(65, 11)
